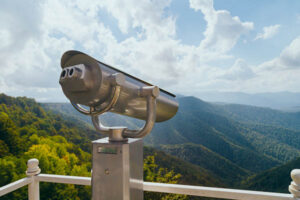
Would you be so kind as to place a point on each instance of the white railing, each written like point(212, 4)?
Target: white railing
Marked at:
point(34, 177)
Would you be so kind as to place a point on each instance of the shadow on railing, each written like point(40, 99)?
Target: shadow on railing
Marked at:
point(34, 177)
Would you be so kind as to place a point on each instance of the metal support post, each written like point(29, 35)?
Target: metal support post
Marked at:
point(117, 171)
point(34, 187)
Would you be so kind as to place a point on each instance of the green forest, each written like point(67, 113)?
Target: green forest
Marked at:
point(61, 146)
point(211, 145)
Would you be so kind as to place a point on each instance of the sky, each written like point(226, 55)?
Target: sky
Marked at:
point(183, 46)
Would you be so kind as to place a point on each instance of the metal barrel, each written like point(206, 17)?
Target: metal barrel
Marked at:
point(85, 80)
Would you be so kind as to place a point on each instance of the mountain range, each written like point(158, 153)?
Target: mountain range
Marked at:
point(211, 144)
point(231, 141)
point(62, 144)
point(287, 101)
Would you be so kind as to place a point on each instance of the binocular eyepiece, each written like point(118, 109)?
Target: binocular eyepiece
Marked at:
point(75, 71)
point(102, 88)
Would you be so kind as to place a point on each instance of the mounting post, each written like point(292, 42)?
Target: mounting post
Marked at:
point(117, 169)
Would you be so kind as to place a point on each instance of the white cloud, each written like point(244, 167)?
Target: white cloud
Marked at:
point(222, 30)
point(290, 56)
point(17, 27)
point(5, 39)
point(288, 59)
point(32, 60)
point(143, 13)
point(279, 74)
point(268, 32)
point(30, 53)
point(276, 75)
point(239, 71)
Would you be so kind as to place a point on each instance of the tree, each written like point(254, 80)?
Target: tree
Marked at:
point(153, 173)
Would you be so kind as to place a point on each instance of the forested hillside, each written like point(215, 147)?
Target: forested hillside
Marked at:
point(27, 131)
point(218, 149)
point(274, 180)
point(265, 116)
point(230, 141)
point(228, 172)
point(62, 145)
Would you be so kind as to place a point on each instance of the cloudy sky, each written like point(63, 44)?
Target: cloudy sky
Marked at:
point(186, 47)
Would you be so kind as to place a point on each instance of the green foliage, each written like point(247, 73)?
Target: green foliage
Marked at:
point(60, 145)
point(221, 144)
point(269, 144)
point(55, 156)
point(153, 173)
point(4, 150)
point(27, 131)
point(227, 171)
point(263, 116)
point(190, 174)
point(273, 180)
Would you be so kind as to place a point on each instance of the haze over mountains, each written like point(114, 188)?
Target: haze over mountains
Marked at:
point(288, 101)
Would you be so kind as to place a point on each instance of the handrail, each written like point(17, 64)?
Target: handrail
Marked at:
point(14, 186)
point(53, 178)
point(213, 192)
point(156, 187)
point(34, 178)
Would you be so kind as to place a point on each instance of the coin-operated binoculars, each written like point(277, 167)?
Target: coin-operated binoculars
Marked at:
point(117, 168)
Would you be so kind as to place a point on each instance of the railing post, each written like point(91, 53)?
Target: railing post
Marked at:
point(294, 187)
point(34, 187)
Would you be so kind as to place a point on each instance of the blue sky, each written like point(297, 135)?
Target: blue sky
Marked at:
point(187, 47)
point(191, 25)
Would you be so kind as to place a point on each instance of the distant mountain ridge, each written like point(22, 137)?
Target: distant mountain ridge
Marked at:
point(288, 101)
point(259, 115)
